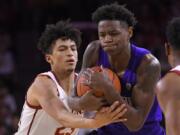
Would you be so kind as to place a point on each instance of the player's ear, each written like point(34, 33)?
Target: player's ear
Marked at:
point(130, 30)
point(48, 58)
point(167, 48)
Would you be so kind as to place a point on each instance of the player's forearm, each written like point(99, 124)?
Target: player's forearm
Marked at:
point(74, 121)
point(111, 95)
point(135, 118)
point(137, 112)
point(74, 103)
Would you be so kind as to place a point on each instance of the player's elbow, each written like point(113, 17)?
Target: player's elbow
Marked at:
point(64, 122)
point(136, 125)
point(135, 128)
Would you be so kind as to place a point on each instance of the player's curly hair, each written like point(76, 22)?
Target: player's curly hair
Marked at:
point(52, 32)
point(114, 12)
point(173, 32)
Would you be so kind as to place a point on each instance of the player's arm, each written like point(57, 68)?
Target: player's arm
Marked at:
point(91, 55)
point(168, 94)
point(142, 94)
point(82, 103)
point(44, 93)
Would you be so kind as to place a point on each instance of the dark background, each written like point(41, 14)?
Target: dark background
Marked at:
point(22, 21)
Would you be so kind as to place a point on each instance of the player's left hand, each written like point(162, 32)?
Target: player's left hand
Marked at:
point(98, 81)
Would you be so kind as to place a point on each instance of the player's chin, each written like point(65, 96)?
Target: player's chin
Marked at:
point(70, 68)
point(110, 49)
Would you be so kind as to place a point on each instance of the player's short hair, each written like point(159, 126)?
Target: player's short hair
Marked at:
point(173, 32)
point(52, 32)
point(114, 12)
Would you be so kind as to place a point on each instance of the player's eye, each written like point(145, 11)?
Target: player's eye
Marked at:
point(61, 49)
point(114, 33)
point(74, 48)
point(102, 34)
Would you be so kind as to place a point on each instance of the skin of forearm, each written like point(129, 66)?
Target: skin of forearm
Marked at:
point(112, 96)
point(134, 117)
point(70, 120)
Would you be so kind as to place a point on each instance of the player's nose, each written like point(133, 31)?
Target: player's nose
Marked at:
point(107, 38)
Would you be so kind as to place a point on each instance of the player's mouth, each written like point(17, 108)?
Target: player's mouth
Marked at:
point(70, 61)
point(109, 46)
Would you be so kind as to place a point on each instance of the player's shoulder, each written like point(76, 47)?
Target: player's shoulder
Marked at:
point(147, 58)
point(41, 84)
point(93, 46)
point(151, 60)
point(91, 54)
point(171, 79)
point(150, 64)
point(169, 85)
point(43, 80)
point(176, 70)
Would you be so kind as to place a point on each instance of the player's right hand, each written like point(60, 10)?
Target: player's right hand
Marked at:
point(111, 114)
point(89, 102)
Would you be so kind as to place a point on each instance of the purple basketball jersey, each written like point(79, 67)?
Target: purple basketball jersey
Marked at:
point(151, 125)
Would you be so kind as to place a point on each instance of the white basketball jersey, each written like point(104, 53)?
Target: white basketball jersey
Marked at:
point(35, 121)
point(177, 68)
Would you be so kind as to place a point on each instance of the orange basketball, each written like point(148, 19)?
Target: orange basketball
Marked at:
point(82, 89)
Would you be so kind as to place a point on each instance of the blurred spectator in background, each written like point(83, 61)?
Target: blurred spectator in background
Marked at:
point(7, 110)
point(6, 57)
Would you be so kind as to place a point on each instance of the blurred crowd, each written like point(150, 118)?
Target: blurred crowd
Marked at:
point(22, 21)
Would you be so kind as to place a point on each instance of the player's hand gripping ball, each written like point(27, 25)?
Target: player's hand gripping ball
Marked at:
point(82, 88)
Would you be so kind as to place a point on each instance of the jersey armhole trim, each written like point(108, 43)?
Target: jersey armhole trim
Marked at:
point(30, 126)
point(32, 106)
point(175, 71)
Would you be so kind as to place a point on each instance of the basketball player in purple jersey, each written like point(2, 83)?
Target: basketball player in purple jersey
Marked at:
point(136, 67)
point(168, 88)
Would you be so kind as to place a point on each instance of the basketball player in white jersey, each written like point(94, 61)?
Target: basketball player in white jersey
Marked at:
point(168, 88)
point(45, 111)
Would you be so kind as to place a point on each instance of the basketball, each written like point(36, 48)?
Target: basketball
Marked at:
point(82, 89)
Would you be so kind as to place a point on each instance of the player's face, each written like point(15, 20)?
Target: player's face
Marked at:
point(64, 55)
point(114, 35)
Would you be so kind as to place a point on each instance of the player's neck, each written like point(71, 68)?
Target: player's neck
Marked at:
point(120, 61)
point(65, 80)
point(67, 84)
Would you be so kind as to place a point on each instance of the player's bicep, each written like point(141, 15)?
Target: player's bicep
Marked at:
point(168, 94)
point(47, 96)
point(172, 115)
point(168, 90)
point(147, 76)
point(52, 105)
